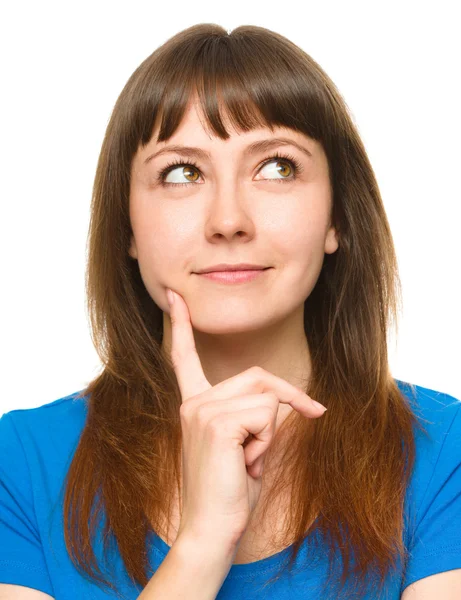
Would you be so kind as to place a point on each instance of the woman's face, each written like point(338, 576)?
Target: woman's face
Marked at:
point(231, 210)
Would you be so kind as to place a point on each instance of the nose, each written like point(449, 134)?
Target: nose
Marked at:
point(229, 213)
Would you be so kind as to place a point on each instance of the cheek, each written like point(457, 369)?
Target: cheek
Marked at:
point(299, 237)
point(157, 261)
point(298, 242)
point(158, 251)
point(163, 243)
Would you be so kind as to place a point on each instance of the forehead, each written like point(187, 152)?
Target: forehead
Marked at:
point(194, 130)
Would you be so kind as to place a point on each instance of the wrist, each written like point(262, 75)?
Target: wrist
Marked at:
point(204, 548)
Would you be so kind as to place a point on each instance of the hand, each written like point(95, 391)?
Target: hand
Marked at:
point(221, 477)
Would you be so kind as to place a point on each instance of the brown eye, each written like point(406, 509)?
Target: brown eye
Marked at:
point(280, 166)
point(284, 165)
point(186, 171)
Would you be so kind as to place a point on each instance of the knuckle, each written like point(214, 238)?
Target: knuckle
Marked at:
point(202, 415)
point(270, 412)
point(195, 414)
point(187, 408)
point(272, 397)
point(217, 426)
point(256, 371)
point(184, 414)
point(184, 409)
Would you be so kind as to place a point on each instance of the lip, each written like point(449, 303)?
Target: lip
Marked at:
point(232, 277)
point(237, 267)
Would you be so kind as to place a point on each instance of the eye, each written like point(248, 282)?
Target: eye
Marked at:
point(186, 169)
point(282, 164)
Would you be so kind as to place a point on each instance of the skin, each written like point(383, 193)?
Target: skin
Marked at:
point(233, 211)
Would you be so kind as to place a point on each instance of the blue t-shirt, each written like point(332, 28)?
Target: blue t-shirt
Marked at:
point(36, 448)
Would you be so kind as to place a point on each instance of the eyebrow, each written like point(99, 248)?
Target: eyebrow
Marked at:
point(253, 148)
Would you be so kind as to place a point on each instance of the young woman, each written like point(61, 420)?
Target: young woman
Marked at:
point(197, 464)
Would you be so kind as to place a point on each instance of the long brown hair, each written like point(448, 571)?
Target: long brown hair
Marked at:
point(353, 469)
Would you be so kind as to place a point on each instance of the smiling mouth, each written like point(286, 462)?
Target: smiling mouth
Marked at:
point(234, 277)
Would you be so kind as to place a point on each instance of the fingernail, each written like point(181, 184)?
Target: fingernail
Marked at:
point(319, 406)
point(170, 296)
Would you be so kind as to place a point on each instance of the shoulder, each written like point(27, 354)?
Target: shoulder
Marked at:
point(438, 446)
point(45, 434)
point(69, 411)
point(433, 498)
point(36, 445)
point(427, 401)
point(437, 412)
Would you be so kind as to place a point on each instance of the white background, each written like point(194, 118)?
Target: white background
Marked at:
point(63, 66)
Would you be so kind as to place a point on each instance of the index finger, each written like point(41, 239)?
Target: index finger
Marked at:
point(186, 361)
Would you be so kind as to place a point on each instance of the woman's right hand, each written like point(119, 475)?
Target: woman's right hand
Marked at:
point(221, 478)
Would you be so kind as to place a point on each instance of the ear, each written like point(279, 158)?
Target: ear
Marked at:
point(133, 251)
point(331, 241)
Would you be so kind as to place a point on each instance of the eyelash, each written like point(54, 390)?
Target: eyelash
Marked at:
point(295, 165)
